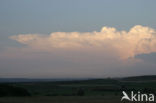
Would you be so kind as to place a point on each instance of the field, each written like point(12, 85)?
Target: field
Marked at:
point(61, 99)
point(77, 91)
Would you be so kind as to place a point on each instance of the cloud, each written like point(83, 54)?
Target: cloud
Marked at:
point(138, 40)
point(105, 53)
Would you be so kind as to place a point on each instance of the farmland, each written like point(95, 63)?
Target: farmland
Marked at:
point(77, 91)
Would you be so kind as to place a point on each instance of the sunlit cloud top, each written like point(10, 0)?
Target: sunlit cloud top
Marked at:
point(138, 40)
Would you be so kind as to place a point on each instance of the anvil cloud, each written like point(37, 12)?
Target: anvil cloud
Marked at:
point(138, 40)
point(105, 53)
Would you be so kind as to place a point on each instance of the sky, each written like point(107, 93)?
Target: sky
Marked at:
point(77, 38)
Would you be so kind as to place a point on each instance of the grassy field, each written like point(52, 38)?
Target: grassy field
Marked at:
point(82, 91)
point(61, 99)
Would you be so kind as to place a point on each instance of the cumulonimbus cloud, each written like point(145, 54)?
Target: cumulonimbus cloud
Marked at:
point(138, 40)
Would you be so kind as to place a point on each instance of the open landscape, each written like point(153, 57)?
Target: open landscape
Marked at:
point(75, 91)
point(77, 51)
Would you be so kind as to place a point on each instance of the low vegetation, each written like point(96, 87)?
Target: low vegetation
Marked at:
point(78, 91)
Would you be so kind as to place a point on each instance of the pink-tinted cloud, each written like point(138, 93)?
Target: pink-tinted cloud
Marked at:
point(138, 40)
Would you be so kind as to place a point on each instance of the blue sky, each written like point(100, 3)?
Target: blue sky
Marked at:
point(38, 16)
point(47, 16)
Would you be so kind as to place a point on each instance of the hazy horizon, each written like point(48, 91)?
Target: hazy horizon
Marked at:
point(77, 39)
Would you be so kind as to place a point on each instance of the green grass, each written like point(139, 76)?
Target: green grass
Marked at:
point(62, 99)
point(96, 91)
point(91, 87)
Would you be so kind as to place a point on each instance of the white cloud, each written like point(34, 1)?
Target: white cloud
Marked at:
point(138, 40)
point(108, 53)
